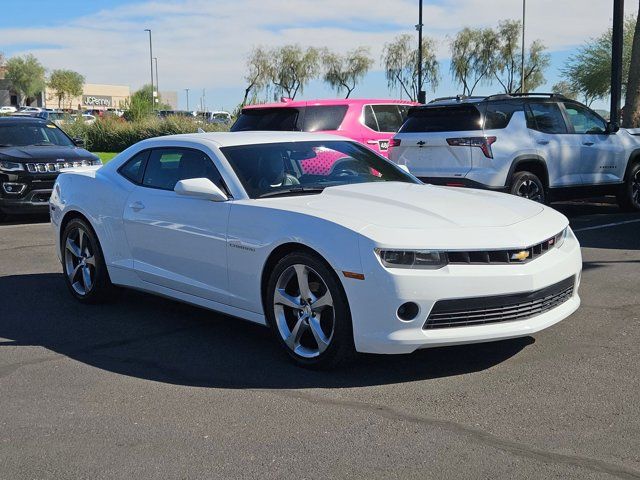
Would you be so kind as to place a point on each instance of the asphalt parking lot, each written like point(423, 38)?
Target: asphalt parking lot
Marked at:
point(149, 388)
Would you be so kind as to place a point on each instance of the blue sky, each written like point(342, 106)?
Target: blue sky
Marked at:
point(203, 44)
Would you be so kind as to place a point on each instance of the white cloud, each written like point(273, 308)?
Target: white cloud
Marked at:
point(203, 43)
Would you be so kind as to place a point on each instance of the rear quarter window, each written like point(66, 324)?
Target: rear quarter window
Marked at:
point(320, 118)
point(498, 115)
point(272, 119)
point(443, 119)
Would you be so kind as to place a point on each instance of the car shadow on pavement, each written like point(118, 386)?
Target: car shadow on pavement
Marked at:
point(25, 219)
point(153, 338)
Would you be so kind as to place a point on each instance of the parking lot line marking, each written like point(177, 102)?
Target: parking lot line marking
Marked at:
point(607, 225)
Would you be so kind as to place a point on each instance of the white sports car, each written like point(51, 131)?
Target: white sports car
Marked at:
point(330, 245)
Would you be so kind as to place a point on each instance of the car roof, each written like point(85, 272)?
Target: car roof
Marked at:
point(21, 119)
point(229, 139)
point(329, 102)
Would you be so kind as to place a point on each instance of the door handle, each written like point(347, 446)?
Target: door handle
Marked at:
point(588, 144)
point(372, 142)
point(543, 142)
point(136, 206)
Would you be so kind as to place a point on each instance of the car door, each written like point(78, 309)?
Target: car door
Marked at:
point(178, 242)
point(555, 144)
point(602, 154)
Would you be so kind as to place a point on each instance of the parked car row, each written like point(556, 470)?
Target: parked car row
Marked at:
point(538, 146)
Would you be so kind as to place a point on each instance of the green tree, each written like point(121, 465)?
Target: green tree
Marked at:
point(400, 61)
point(257, 76)
point(566, 89)
point(589, 70)
point(632, 99)
point(66, 84)
point(473, 58)
point(139, 106)
point(26, 76)
point(343, 72)
point(291, 68)
point(508, 64)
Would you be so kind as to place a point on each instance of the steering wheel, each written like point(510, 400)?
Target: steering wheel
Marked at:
point(344, 168)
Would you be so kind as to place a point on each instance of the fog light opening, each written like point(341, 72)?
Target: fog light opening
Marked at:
point(408, 311)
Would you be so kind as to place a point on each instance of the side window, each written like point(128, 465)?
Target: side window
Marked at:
point(584, 120)
point(167, 166)
point(546, 118)
point(385, 118)
point(370, 118)
point(389, 117)
point(321, 118)
point(134, 168)
point(498, 114)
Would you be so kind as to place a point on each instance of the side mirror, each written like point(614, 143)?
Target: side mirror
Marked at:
point(200, 188)
point(79, 142)
point(612, 127)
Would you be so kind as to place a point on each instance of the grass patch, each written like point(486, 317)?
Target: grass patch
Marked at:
point(105, 156)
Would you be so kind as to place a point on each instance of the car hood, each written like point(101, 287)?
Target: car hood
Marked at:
point(410, 206)
point(406, 214)
point(46, 153)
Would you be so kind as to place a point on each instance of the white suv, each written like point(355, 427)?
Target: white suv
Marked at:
point(538, 146)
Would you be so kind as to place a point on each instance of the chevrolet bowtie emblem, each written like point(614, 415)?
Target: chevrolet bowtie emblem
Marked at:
point(421, 143)
point(520, 256)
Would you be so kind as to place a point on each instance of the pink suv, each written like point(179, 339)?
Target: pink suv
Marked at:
point(371, 122)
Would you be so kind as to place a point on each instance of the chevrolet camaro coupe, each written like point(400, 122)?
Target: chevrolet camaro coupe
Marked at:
point(360, 256)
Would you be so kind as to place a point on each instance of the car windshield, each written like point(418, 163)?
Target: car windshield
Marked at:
point(298, 168)
point(24, 134)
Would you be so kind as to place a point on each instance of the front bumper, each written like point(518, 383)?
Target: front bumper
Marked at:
point(374, 301)
point(30, 193)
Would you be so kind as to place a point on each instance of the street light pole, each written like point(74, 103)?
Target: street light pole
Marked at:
point(421, 93)
point(153, 100)
point(616, 60)
point(524, 11)
point(155, 59)
point(187, 90)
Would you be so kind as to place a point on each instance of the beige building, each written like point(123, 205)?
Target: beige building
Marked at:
point(94, 96)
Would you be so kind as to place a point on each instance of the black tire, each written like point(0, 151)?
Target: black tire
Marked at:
point(528, 185)
point(282, 319)
point(629, 194)
point(85, 242)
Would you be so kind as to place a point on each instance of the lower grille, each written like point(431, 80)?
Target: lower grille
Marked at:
point(500, 308)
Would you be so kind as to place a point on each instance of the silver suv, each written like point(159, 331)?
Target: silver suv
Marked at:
point(539, 146)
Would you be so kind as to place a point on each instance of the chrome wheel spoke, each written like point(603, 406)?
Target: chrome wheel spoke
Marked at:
point(302, 274)
point(74, 273)
point(90, 261)
point(318, 334)
point(323, 302)
point(293, 340)
point(283, 298)
point(86, 278)
point(73, 248)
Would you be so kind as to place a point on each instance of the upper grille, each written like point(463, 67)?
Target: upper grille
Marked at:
point(500, 308)
point(491, 257)
point(52, 167)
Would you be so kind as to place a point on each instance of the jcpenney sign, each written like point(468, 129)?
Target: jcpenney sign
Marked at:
point(96, 100)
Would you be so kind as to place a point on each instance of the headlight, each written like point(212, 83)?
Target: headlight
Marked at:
point(561, 237)
point(413, 259)
point(97, 162)
point(6, 166)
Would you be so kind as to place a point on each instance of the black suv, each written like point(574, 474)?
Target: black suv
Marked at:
point(32, 152)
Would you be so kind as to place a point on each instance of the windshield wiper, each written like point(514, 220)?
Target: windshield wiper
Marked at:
point(6, 145)
point(42, 144)
point(292, 191)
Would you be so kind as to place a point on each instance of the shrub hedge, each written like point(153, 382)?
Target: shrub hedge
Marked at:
point(112, 134)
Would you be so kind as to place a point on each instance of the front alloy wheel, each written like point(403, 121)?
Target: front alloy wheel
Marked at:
point(303, 310)
point(308, 312)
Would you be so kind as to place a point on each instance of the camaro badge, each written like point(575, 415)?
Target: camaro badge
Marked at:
point(520, 256)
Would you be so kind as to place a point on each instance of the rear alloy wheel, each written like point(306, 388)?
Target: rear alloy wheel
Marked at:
point(85, 272)
point(308, 312)
point(528, 185)
point(629, 195)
